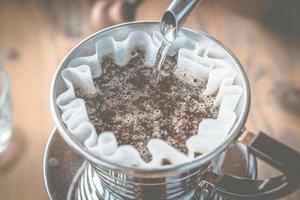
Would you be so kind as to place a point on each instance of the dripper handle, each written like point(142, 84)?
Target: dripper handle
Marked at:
point(175, 15)
point(272, 152)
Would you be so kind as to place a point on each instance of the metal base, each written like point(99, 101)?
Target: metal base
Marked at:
point(68, 177)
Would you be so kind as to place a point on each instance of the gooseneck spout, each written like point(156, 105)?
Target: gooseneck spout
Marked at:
point(174, 17)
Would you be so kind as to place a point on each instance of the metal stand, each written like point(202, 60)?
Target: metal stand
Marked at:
point(68, 177)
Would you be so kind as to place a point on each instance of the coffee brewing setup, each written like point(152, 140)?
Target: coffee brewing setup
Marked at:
point(227, 172)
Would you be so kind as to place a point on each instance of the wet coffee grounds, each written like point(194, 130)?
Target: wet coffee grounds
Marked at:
point(130, 103)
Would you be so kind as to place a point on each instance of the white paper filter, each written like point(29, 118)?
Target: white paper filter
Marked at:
point(203, 61)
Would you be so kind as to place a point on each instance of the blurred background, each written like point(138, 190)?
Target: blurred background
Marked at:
point(35, 35)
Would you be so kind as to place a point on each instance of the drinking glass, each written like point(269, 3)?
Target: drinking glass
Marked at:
point(5, 111)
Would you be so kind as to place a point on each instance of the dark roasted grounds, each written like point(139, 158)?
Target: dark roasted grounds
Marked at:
point(131, 104)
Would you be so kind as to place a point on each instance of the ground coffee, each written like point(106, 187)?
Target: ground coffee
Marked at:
point(130, 103)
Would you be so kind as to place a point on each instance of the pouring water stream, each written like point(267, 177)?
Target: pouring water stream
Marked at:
point(171, 21)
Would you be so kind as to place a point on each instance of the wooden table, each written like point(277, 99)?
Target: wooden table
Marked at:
point(36, 35)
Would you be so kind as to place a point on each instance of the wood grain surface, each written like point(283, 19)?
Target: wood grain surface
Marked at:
point(36, 35)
